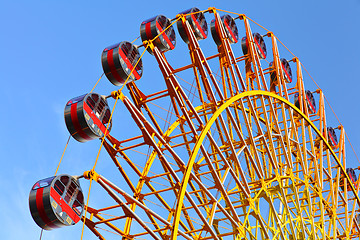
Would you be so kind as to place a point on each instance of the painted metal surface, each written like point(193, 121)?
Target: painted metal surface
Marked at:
point(259, 42)
point(309, 99)
point(286, 69)
point(198, 24)
point(159, 30)
point(56, 202)
point(332, 136)
point(352, 177)
point(87, 117)
point(230, 29)
point(122, 62)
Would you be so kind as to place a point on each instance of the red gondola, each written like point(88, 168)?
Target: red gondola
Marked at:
point(118, 62)
point(286, 71)
point(197, 22)
point(353, 178)
point(310, 101)
point(259, 45)
point(88, 117)
point(56, 202)
point(332, 138)
point(231, 31)
point(158, 26)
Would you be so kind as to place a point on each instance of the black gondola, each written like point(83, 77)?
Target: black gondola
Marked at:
point(118, 62)
point(332, 138)
point(158, 26)
point(231, 30)
point(259, 45)
point(285, 66)
point(88, 117)
point(310, 101)
point(56, 202)
point(197, 22)
point(353, 178)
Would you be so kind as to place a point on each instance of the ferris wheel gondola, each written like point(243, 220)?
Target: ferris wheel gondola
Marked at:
point(197, 22)
point(259, 45)
point(56, 202)
point(120, 62)
point(231, 30)
point(160, 30)
point(87, 117)
point(309, 99)
point(332, 138)
point(353, 178)
point(286, 70)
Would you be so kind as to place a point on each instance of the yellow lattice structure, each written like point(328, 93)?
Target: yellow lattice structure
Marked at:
point(234, 158)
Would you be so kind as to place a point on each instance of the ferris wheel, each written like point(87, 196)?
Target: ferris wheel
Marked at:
point(233, 147)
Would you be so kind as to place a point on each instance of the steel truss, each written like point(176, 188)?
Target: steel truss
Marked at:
point(240, 161)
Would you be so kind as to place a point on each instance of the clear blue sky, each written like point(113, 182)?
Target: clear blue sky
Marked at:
point(50, 52)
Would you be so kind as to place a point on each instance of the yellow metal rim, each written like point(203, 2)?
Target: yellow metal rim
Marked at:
point(202, 136)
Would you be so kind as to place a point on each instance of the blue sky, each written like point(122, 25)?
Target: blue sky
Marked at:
point(50, 52)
